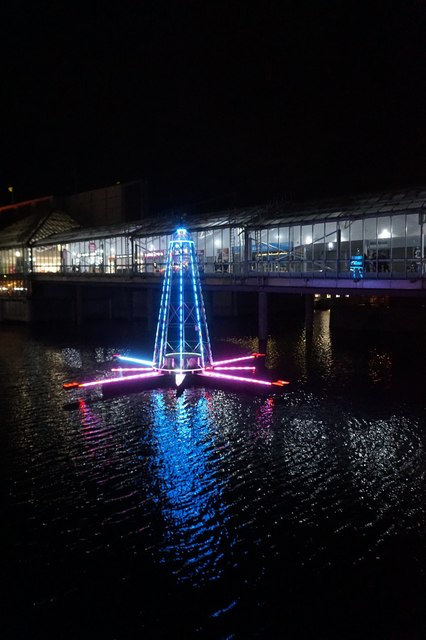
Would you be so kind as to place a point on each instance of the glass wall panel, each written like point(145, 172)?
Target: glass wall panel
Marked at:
point(221, 252)
point(414, 243)
point(296, 253)
point(15, 264)
point(285, 247)
point(200, 248)
point(356, 237)
point(319, 246)
point(237, 248)
point(331, 247)
point(383, 244)
point(226, 249)
point(110, 255)
point(48, 259)
point(215, 249)
point(370, 245)
point(307, 247)
point(398, 244)
point(210, 251)
point(8, 261)
point(267, 258)
point(149, 254)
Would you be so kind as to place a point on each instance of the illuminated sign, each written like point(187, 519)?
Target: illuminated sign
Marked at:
point(356, 267)
point(154, 254)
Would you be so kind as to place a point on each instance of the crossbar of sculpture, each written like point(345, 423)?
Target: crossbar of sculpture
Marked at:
point(182, 343)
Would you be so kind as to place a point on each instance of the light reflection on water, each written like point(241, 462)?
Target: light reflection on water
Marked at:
point(217, 496)
point(185, 484)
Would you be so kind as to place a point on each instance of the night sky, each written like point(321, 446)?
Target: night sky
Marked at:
point(215, 104)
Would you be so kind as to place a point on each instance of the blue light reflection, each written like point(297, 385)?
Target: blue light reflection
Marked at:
point(188, 489)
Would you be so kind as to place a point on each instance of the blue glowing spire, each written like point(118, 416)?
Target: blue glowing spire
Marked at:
point(182, 342)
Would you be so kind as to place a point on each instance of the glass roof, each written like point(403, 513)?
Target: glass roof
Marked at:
point(268, 215)
point(35, 227)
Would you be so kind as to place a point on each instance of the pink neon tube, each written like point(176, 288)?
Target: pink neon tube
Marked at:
point(215, 364)
point(234, 368)
point(226, 376)
point(139, 376)
point(132, 369)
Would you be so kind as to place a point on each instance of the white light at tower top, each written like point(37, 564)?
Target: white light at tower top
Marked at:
point(181, 233)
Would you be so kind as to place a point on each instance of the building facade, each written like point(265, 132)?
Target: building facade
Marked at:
point(380, 236)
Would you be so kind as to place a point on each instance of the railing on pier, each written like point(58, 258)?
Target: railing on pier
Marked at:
point(18, 284)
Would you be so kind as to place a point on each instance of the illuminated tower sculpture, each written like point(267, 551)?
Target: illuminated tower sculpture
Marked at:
point(182, 342)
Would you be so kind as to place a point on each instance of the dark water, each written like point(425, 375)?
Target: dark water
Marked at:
point(216, 514)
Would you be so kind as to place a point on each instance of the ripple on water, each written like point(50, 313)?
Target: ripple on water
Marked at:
point(217, 491)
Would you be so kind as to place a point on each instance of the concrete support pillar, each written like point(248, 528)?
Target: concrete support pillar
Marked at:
point(110, 309)
point(151, 316)
point(30, 310)
point(78, 306)
point(263, 315)
point(234, 304)
point(309, 312)
point(208, 304)
point(129, 304)
point(262, 329)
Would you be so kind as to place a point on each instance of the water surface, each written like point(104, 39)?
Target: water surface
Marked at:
point(215, 514)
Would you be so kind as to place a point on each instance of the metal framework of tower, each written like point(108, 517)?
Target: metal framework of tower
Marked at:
point(182, 342)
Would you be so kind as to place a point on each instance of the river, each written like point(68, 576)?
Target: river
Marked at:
point(216, 514)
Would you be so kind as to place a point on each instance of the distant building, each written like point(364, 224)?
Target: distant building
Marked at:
point(118, 203)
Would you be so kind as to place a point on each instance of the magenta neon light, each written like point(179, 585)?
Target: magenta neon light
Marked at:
point(139, 376)
point(254, 355)
point(235, 368)
point(132, 369)
point(164, 369)
point(226, 376)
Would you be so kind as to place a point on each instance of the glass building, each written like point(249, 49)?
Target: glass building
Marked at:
point(380, 236)
point(318, 240)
